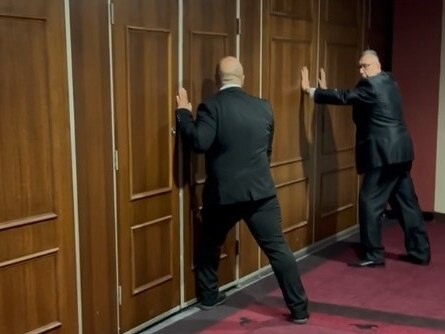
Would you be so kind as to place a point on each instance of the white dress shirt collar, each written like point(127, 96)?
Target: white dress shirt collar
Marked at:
point(229, 86)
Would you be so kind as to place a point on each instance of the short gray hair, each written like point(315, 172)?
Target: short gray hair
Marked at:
point(370, 52)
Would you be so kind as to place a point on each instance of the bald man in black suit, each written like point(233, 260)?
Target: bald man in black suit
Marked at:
point(234, 130)
point(384, 155)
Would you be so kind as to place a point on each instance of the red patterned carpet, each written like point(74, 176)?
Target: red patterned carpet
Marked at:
point(401, 298)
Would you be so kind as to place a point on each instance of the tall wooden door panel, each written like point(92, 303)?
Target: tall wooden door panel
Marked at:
point(37, 259)
point(290, 43)
point(145, 76)
point(209, 34)
point(250, 50)
point(341, 29)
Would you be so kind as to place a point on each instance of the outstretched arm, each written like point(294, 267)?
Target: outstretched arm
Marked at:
point(197, 134)
point(362, 93)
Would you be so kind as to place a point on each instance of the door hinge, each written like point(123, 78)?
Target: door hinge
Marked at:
point(238, 26)
point(119, 295)
point(116, 160)
point(111, 12)
point(237, 247)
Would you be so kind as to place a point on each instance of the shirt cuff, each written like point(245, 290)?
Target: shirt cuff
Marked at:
point(311, 92)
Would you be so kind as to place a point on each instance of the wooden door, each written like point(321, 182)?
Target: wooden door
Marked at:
point(341, 40)
point(250, 57)
point(145, 77)
point(290, 43)
point(209, 34)
point(37, 258)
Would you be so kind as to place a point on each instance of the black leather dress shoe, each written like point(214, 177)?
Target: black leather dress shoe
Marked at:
point(367, 263)
point(412, 259)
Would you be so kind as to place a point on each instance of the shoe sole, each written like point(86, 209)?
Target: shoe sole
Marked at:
point(374, 265)
point(300, 321)
point(209, 307)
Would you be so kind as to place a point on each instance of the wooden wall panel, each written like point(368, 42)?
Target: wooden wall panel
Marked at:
point(290, 38)
point(290, 140)
point(335, 190)
point(294, 211)
point(90, 60)
point(343, 12)
point(27, 129)
point(36, 195)
point(341, 41)
point(290, 42)
point(297, 9)
point(147, 241)
point(250, 49)
point(250, 45)
point(209, 35)
point(33, 288)
point(149, 132)
point(145, 83)
point(338, 130)
point(92, 101)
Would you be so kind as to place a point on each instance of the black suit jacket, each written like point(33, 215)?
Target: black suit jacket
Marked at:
point(381, 135)
point(235, 132)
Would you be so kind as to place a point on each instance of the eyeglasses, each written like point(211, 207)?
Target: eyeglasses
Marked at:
point(364, 66)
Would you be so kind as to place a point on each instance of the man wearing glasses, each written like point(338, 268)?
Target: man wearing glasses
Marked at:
point(384, 155)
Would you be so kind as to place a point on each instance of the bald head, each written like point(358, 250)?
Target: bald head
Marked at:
point(230, 71)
